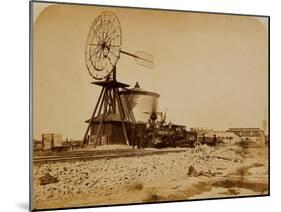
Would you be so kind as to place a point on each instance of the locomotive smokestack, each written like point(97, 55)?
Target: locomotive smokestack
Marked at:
point(153, 116)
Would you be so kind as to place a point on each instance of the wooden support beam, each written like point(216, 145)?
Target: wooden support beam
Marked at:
point(105, 97)
point(92, 117)
point(122, 115)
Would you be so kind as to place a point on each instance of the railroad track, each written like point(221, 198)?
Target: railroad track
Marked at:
point(98, 155)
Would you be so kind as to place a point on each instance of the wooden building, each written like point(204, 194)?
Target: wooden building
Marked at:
point(255, 135)
point(111, 131)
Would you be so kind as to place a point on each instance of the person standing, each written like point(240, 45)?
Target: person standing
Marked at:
point(214, 140)
point(203, 139)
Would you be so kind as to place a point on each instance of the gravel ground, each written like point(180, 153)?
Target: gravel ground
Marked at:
point(171, 176)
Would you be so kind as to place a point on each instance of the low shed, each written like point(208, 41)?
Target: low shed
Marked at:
point(111, 131)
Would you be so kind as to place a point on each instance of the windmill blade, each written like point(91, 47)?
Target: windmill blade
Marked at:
point(142, 58)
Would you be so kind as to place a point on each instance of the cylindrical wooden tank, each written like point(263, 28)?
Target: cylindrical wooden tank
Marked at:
point(142, 103)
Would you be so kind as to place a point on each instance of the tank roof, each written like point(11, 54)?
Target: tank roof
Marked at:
point(137, 85)
point(137, 90)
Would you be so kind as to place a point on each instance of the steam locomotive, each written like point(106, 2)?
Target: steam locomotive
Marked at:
point(158, 134)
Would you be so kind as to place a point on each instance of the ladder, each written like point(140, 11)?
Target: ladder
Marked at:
point(131, 126)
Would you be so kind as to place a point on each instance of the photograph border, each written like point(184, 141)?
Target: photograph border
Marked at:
point(31, 104)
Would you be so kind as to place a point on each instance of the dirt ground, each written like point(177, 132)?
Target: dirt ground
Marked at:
point(205, 172)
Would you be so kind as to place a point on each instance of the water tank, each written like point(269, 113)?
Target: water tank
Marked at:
point(142, 103)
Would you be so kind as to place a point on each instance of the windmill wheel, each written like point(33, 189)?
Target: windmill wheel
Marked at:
point(103, 45)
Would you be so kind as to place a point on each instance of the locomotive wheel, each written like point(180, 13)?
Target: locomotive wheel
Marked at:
point(197, 146)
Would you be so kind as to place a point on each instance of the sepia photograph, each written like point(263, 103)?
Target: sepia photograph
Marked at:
point(137, 105)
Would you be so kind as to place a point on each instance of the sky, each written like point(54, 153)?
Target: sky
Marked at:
point(210, 70)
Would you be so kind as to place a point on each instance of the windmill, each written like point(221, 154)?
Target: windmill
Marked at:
point(102, 52)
